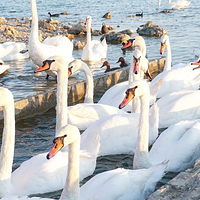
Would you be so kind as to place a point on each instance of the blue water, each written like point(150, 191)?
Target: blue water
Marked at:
point(34, 135)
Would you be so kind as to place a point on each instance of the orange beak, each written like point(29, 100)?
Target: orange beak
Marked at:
point(44, 67)
point(162, 48)
point(128, 44)
point(136, 66)
point(196, 63)
point(56, 147)
point(69, 71)
point(129, 96)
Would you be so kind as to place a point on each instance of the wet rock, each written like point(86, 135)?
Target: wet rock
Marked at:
point(79, 45)
point(186, 185)
point(2, 20)
point(118, 37)
point(64, 13)
point(9, 30)
point(149, 29)
point(78, 28)
point(107, 15)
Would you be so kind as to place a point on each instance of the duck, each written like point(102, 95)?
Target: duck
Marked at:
point(59, 45)
point(53, 15)
point(143, 177)
point(10, 51)
point(94, 50)
point(84, 114)
point(3, 68)
point(122, 62)
point(39, 175)
point(138, 68)
point(104, 29)
point(108, 69)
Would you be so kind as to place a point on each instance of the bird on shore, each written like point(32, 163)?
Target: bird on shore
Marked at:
point(104, 29)
point(108, 69)
point(122, 62)
point(53, 15)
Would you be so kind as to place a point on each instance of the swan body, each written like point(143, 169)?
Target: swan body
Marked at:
point(3, 67)
point(178, 106)
point(40, 175)
point(115, 94)
point(41, 51)
point(84, 114)
point(94, 50)
point(125, 183)
point(11, 51)
point(122, 130)
point(180, 144)
point(179, 4)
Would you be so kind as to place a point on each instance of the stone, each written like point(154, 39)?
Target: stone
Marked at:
point(9, 30)
point(149, 29)
point(79, 45)
point(3, 20)
point(78, 28)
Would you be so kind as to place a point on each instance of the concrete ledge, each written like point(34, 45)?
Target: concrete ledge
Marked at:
point(43, 101)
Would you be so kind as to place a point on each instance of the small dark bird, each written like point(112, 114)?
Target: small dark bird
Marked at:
point(104, 29)
point(139, 14)
point(53, 15)
point(108, 69)
point(123, 63)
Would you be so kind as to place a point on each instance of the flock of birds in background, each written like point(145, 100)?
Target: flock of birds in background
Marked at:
point(124, 121)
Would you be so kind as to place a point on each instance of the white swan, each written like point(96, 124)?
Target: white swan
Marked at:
point(39, 175)
point(165, 43)
point(125, 183)
point(11, 51)
point(180, 77)
point(84, 114)
point(138, 67)
point(122, 130)
point(94, 50)
point(178, 106)
point(179, 4)
point(41, 51)
point(180, 144)
point(3, 68)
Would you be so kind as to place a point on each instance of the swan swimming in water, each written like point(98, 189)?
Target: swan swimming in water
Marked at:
point(94, 50)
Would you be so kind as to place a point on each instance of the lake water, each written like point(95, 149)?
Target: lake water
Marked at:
point(34, 135)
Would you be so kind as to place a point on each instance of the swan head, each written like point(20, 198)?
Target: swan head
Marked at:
point(163, 39)
point(53, 63)
point(88, 20)
point(128, 44)
point(196, 63)
point(67, 135)
point(137, 55)
point(136, 89)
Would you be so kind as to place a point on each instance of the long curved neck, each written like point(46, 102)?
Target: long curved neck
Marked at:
point(142, 47)
point(34, 24)
point(62, 91)
point(89, 85)
point(168, 57)
point(141, 156)
point(7, 148)
point(71, 189)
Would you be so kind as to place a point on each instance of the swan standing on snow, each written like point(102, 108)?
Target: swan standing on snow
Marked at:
point(39, 175)
point(11, 51)
point(84, 114)
point(39, 52)
point(94, 50)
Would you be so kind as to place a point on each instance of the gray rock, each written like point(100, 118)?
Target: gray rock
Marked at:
point(78, 28)
point(150, 29)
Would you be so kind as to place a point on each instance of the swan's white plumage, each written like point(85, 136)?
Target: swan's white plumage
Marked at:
point(11, 51)
point(94, 50)
point(41, 51)
point(180, 144)
point(178, 106)
point(84, 114)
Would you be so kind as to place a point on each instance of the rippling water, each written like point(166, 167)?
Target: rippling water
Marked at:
point(33, 135)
